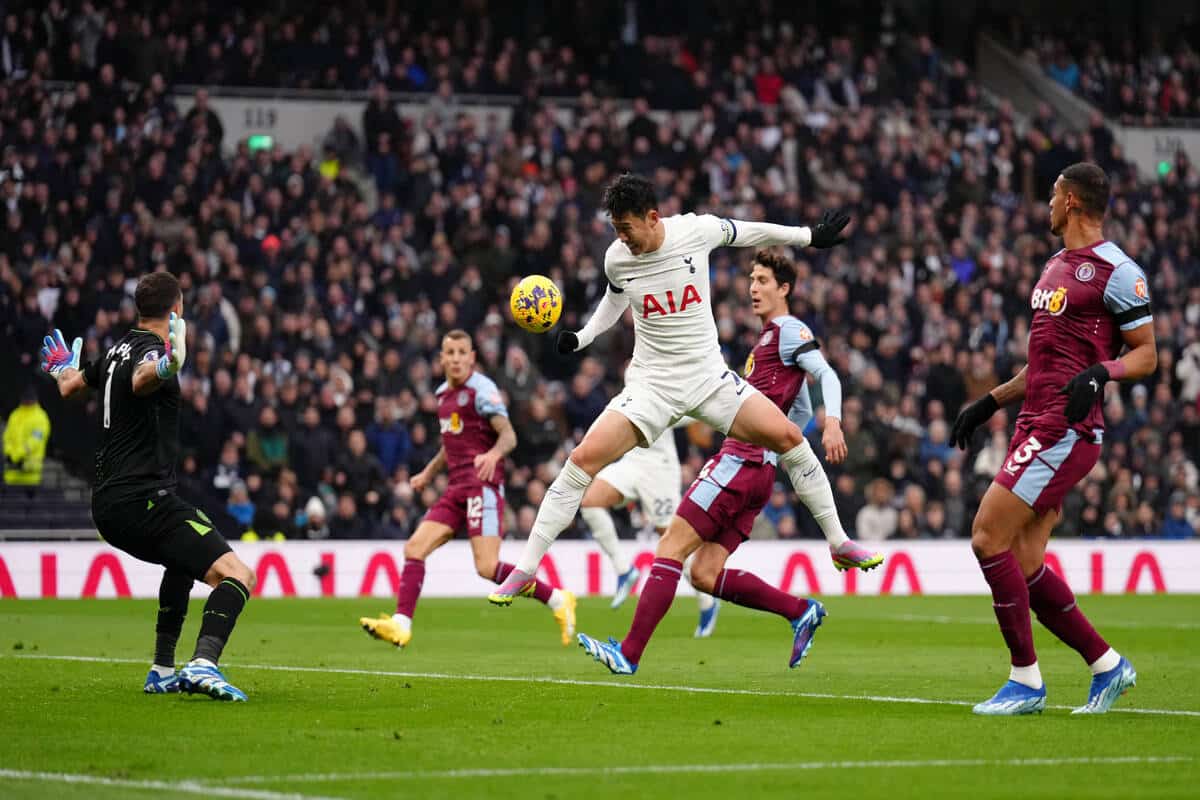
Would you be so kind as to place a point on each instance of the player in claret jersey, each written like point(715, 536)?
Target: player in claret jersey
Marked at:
point(718, 510)
point(476, 436)
point(134, 503)
point(658, 267)
point(1091, 301)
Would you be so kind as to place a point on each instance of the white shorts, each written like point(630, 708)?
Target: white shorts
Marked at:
point(651, 479)
point(652, 408)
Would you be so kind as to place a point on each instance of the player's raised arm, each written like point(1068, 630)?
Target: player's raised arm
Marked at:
point(152, 374)
point(742, 233)
point(610, 309)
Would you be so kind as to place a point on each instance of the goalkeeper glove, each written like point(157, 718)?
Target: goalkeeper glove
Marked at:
point(172, 361)
point(56, 356)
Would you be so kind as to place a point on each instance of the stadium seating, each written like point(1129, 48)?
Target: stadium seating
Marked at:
point(300, 292)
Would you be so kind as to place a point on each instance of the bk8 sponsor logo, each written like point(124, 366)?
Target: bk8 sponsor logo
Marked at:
point(1052, 300)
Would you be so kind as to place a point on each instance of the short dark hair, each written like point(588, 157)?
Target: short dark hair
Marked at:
point(781, 266)
point(156, 294)
point(1089, 183)
point(459, 333)
point(629, 194)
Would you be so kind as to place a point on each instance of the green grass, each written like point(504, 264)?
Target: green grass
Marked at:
point(90, 718)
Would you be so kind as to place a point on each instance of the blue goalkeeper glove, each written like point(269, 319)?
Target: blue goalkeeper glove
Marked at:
point(56, 356)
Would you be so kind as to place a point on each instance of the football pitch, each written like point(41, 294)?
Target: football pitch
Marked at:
point(486, 703)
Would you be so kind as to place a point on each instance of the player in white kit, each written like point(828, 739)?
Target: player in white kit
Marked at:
point(658, 266)
point(652, 476)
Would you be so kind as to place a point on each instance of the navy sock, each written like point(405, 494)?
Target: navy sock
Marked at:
point(172, 609)
point(220, 615)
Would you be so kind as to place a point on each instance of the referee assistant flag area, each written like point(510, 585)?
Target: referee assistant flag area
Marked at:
point(485, 702)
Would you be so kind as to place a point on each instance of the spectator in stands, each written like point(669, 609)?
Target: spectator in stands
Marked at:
point(347, 523)
point(25, 437)
point(314, 524)
point(1175, 524)
point(239, 506)
point(878, 519)
point(387, 437)
point(360, 474)
point(267, 444)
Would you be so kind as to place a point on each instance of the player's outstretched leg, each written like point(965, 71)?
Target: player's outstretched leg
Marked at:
point(747, 589)
point(232, 582)
point(173, 595)
point(604, 534)
point(396, 629)
point(760, 422)
point(1001, 517)
point(1054, 603)
point(610, 437)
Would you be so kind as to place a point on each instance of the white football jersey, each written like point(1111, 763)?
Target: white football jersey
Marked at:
point(675, 334)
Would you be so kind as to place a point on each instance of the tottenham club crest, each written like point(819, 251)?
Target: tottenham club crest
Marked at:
point(1085, 272)
point(462, 398)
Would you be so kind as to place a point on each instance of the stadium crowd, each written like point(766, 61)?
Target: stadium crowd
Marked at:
point(315, 316)
point(1135, 84)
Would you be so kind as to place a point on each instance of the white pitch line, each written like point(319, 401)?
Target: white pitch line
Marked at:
point(448, 676)
point(942, 619)
point(180, 787)
point(642, 769)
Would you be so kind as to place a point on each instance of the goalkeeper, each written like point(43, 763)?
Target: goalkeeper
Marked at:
point(134, 503)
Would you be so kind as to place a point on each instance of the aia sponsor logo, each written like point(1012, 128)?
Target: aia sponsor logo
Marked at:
point(451, 424)
point(1052, 300)
point(669, 304)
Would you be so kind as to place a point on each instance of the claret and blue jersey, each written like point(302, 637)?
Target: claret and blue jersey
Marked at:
point(1081, 305)
point(464, 417)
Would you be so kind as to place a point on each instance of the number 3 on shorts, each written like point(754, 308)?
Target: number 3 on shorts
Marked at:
point(1023, 454)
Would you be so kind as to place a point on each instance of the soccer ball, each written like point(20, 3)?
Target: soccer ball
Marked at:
point(536, 303)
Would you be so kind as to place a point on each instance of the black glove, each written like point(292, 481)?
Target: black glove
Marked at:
point(970, 418)
point(1083, 391)
point(828, 232)
point(567, 342)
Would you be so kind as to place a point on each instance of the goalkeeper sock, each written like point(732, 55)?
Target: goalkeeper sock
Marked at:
point(812, 487)
point(220, 615)
point(555, 514)
point(604, 534)
point(172, 610)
